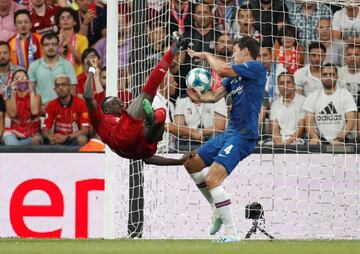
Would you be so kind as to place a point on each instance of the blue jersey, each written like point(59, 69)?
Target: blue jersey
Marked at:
point(247, 92)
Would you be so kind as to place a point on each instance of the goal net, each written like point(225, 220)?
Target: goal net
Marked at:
point(305, 168)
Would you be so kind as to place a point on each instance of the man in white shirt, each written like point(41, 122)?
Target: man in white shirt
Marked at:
point(199, 121)
point(349, 75)
point(307, 78)
point(346, 24)
point(334, 49)
point(287, 114)
point(161, 100)
point(331, 110)
point(272, 72)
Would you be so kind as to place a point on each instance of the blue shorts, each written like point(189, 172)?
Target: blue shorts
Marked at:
point(227, 149)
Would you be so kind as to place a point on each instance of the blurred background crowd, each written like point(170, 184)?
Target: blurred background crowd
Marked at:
point(310, 49)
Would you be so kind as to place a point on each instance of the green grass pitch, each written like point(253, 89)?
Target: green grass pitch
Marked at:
point(35, 246)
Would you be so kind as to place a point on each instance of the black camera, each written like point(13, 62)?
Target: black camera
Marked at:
point(254, 211)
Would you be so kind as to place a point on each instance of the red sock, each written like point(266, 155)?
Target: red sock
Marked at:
point(158, 73)
point(159, 115)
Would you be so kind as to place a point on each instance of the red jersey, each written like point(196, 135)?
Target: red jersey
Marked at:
point(81, 87)
point(67, 119)
point(24, 124)
point(124, 95)
point(99, 97)
point(81, 83)
point(292, 59)
point(46, 23)
point(124, 135)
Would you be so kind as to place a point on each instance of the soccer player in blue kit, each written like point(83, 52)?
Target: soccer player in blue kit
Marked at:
point(245, 81)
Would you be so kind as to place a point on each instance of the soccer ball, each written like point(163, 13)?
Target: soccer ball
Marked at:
point(199, 79)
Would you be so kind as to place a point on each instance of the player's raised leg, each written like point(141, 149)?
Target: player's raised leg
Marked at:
point(137, 108)
point(154, 132)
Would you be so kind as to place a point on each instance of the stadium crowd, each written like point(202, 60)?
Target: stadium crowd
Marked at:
point(311, 52)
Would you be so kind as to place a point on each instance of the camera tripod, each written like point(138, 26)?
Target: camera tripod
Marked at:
point(255, 227)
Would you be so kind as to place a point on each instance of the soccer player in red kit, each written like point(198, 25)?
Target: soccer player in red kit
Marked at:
point(125, 131)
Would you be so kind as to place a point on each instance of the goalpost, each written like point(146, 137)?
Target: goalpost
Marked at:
point(111, 89)
point(307, 192)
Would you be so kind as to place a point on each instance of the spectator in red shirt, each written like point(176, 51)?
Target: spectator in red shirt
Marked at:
point(99, 84)
point(43, 17)
point(23, 107)
point(67, 115)
point(92, 20)
point(287, 51)
point(124, 93)
point(91, 54)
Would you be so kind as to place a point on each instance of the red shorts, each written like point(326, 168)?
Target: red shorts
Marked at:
point(124, 135)
point(130, 141)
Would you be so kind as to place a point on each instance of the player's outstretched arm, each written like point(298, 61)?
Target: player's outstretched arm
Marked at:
point(208, 97)
point(162, 161)
point(220, 67)
point(89, 91)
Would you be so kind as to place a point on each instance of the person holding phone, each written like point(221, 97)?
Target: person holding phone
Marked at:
point(91, 19)
point(23, 107)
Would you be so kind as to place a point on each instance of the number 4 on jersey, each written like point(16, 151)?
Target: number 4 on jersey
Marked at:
point(228, 149)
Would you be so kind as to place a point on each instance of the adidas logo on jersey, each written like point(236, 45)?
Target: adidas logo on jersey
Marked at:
point(329, 113)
